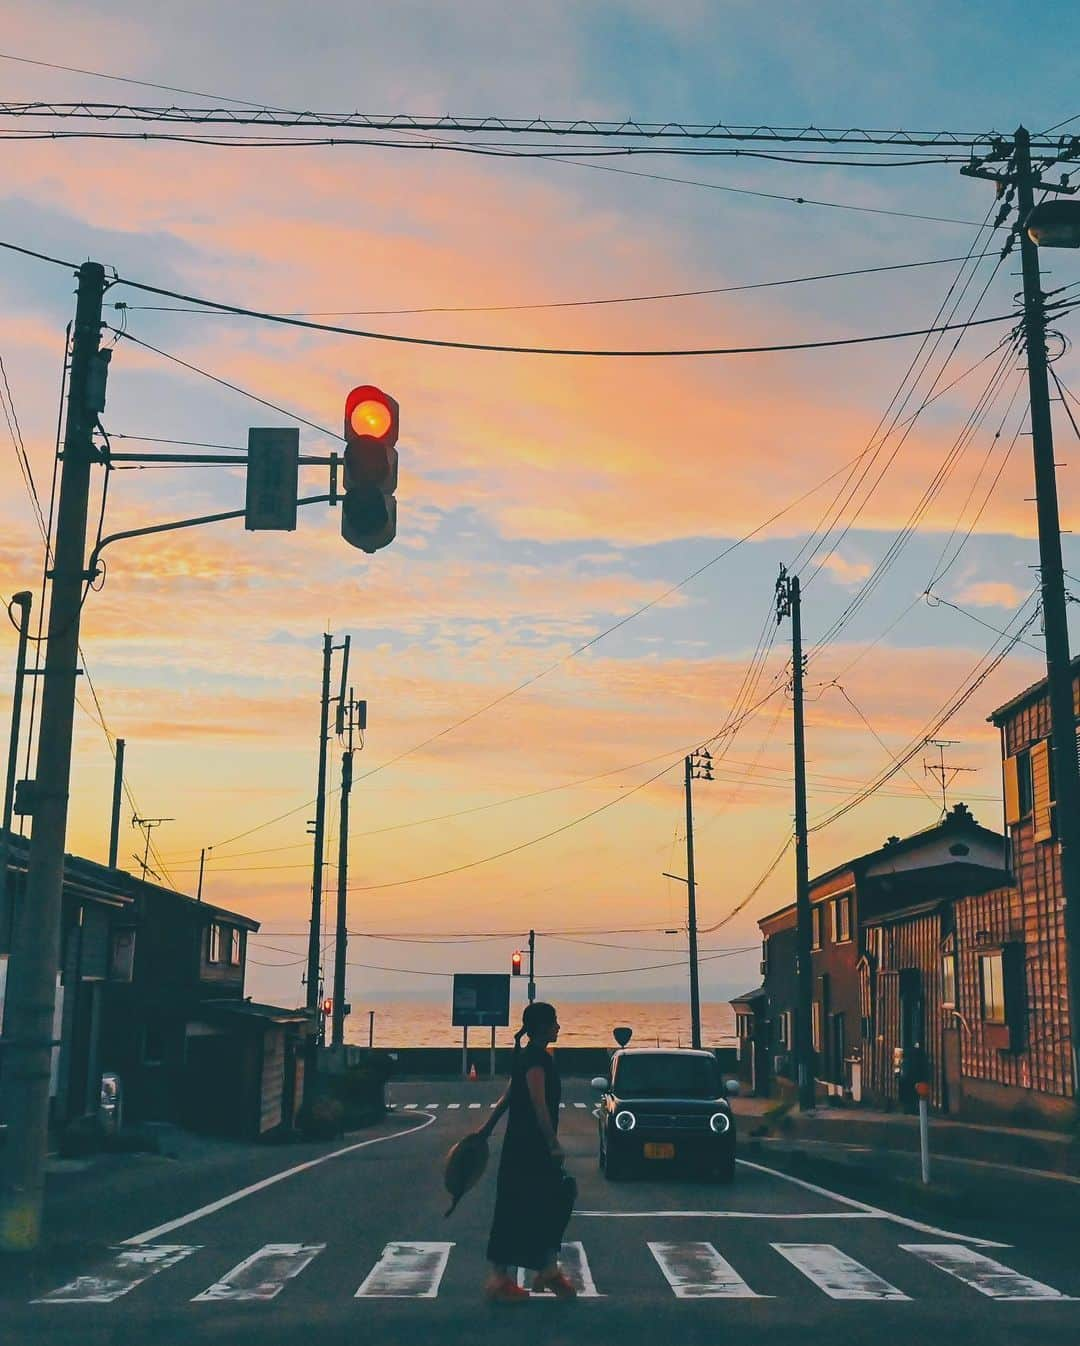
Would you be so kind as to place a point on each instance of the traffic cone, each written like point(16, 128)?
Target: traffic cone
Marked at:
point(472, 1073)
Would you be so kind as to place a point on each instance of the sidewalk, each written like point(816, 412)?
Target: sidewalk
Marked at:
point(1050, 1152)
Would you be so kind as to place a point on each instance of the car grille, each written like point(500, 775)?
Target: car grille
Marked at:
point(666, 1121)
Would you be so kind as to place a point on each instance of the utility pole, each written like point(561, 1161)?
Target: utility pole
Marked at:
point(319, 834)
point(789, 604)
point(23, 601)
point(1052, 578)
point(532, 966)
point(341, 941)
point(202, 867)
point(28, 1022)
point(117, 797)
point(698, 767)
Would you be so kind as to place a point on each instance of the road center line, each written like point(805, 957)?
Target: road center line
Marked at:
point(876, 1211)
point(149, 1235)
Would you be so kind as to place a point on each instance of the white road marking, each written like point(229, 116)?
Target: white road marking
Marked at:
point(729, 1214)
point(263, 1274)
point(982, 1273)
point(839, 1275)
point(453, 1105)
point(475, 1105)
point(406, 1271)
point(875, 1211)
point(697, 1271)
point(493, 1105)
point(580, 1105)
point(149, 1235)
point(562, 1105)
point(575, 1265)
point(130, 1268)
point(431, 1105)
point(409, 1107)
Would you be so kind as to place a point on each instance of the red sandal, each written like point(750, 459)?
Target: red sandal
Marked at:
point(558, 1283)
point(505, 1290)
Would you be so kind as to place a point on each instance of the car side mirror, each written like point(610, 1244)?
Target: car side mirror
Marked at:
point(731, 1088)
point(600, 1084)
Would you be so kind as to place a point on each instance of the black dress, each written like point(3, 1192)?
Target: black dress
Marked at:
point(533, 1195)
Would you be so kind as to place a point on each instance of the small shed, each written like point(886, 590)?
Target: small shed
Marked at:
point(244, 1073)
point(752, 1030)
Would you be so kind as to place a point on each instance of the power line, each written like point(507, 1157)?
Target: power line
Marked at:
point(495, 348)
point(627, 129)
point(554, 304)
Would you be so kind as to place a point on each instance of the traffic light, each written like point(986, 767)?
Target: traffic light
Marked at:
point(369, 510)
point(327, 1006)
point(515, 963)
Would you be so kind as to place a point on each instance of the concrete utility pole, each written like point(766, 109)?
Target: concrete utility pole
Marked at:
point(341, 940)
point(320, 833)
point(28, 1025)
point(789, 604)
point(1052, 578)
point(532, 966)
point(202, 870)
point(23, 601)
point(117, 796)
point(691, 764)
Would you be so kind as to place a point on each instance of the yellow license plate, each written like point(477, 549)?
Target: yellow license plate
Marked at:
point(655, 1151)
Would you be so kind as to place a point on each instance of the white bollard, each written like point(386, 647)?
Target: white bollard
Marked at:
point(924, 1130)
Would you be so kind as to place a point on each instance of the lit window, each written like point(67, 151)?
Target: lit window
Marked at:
point(992, 987)
point(948, 979)
point(840, 917)
point(234, 946)
point(215, 942)
point(815, 927)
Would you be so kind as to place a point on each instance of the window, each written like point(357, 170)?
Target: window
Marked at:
point(744, 1026)
point(815, 927)
point(1023, 783)
point(234, 946)
point(840, 915)
point(784, 1030)
point(948, 979)
point(815, 1025)
point(122, 955)
point(992, 987)
point(1042, 791)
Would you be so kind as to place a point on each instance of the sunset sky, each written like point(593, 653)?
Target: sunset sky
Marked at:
point(542, 499)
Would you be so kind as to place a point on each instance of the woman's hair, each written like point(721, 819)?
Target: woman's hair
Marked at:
point(536, 1015)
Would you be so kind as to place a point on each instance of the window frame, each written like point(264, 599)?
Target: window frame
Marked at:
point(840, 929)
point(236, 950)
point(948, 979)
point(214, 934)
point(817, 927)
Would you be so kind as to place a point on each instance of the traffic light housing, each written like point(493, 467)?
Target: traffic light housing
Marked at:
point(515, 963)
point(327, 1006)
point(369, 510)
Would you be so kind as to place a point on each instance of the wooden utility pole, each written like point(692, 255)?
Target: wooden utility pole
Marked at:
point(28, 1020)
point(789, 604)
point(117, 798)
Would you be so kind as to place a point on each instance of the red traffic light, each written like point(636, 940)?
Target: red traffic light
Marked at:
point(369, 510)
point(327, 1005)
point(371, 432)
point(515, 963)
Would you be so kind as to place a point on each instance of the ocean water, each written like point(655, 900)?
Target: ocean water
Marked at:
point(582, 1024)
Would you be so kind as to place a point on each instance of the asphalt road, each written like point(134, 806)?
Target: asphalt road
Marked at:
point(355, 1247)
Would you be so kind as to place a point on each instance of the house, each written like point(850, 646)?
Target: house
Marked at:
point(1012, 1000)
point(880, 927)
point(150, 987)
point(95, 905)
point(187, 1045)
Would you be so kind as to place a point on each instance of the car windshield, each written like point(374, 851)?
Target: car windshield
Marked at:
point(667, 1077)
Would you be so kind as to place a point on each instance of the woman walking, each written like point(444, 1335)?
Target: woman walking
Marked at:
point(534, 1196)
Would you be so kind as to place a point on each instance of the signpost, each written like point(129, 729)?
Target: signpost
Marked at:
point(480, 999)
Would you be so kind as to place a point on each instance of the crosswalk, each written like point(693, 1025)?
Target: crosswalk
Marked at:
point(688, 1270)
point(473, 1107)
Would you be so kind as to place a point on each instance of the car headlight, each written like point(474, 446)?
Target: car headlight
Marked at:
point(720, 1122)
point(625, 1121)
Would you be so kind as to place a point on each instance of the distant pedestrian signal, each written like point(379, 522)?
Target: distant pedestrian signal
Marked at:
point(515, 963)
